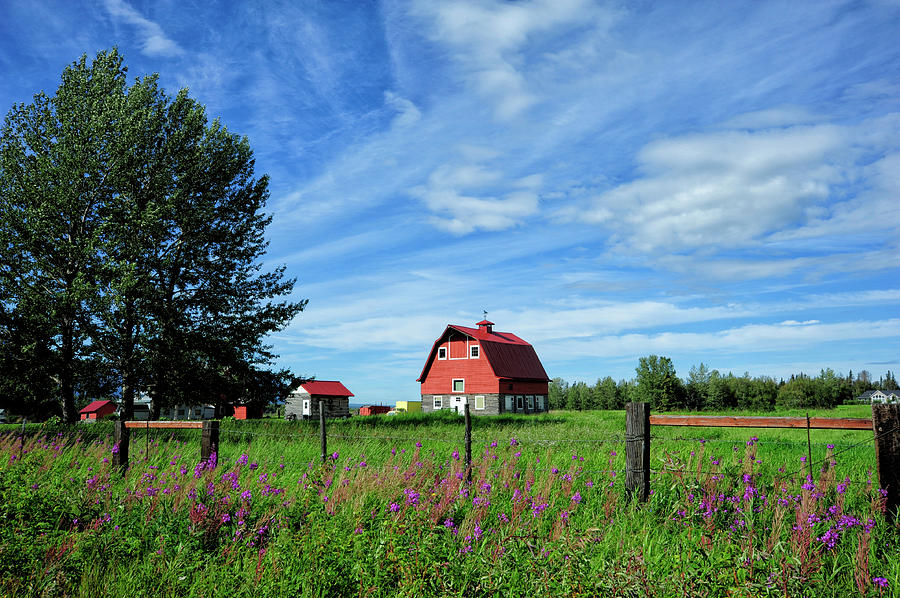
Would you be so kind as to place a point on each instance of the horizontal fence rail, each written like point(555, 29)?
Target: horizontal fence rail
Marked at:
point(195, 425)
point(209, 439)
point(885, 424)
point(728, 421)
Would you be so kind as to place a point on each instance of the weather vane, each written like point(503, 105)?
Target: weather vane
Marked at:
point(485, 313)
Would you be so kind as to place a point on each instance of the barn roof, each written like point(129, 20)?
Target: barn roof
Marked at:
point(326, 388)
point(508, 355)
point(96, 406)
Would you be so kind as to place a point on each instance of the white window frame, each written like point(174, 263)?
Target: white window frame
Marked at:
point(520, 402)
point(508, 402)
point(443, 350)
point(540, 402)
point(479, 399)
point(437, 402)
point(474, 351)
point(530, 399)
point(453, 384)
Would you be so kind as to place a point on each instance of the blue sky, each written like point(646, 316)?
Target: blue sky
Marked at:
point(713, 182)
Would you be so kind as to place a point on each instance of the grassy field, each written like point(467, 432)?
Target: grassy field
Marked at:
point(733, 511)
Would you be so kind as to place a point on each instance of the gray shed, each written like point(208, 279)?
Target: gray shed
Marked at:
point(303, 403)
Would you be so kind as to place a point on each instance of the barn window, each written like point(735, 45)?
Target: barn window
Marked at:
point(438, 402)
point(531, 402)
point(459, 385)
point(473, 351)
point(479, 402)
point(519, 401)
point(442, 352)
point(509, 402)
point(540, 403)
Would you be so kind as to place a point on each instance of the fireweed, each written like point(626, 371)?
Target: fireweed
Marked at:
point(715, 521)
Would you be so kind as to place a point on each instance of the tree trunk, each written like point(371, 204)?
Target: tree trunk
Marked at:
point(128, 367)
point(67, 374)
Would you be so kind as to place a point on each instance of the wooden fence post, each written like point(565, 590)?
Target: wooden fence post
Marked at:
point(809, 469)
point(209, 441)
point(322, 431)
point(120, 440)
point(468, 419)
point(22, 438)
point(886, 425)
point(637, 450)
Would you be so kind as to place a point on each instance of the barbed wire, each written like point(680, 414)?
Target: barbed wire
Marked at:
point(833, 455)
point(735, 475)
point(156, 433)
point(734, 442)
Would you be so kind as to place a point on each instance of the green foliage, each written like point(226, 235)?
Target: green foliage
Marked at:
point(657, 383)
point(704, 388)
point(132, 234)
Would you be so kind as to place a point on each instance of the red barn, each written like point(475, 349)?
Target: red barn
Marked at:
point(495, 372)
point(98, 409)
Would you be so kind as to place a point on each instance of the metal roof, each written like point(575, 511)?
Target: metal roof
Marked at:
point(95, 406)
point(508, 355)
point(326, 388)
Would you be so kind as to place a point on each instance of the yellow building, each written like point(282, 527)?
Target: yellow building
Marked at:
point(409, 406)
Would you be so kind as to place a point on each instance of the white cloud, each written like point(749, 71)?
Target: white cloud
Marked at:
point(407, 113)
point(155, 42)
point(488, 40)
point(754, 338)
point(734, 189)
point(460, 197)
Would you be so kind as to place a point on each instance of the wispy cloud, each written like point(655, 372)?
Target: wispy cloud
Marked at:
point(489, 42)
point(154, 41)
point(755, 338)
point(452, 195)
point(721, 190)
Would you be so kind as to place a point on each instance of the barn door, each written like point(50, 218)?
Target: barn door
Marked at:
point(458, 403)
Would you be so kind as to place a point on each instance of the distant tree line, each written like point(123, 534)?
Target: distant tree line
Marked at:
point(131, 247)
point(657, 383)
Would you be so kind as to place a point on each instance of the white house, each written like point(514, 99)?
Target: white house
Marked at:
point(879, 396)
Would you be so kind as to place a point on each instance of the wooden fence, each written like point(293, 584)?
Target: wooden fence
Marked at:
point(209, 442)
point(209, 439)
point(885, 425)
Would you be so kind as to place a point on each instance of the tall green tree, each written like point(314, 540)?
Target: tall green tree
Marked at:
point(138, 227)
point(216, 295)
point(557, 393)
point(55, 157)
point(608, 394)
point(697, 386)
point(658, 384)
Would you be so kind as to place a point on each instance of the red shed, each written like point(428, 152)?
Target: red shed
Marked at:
point(248, 412)
point(373, 410)
point(495, 372)
point(98, 409)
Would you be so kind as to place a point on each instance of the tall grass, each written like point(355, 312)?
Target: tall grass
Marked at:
point(391, 512)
